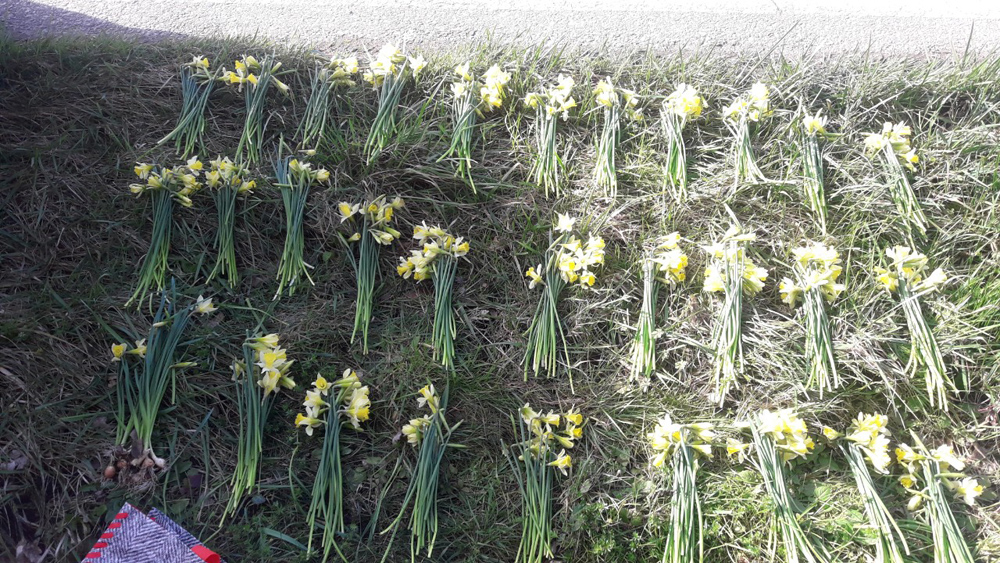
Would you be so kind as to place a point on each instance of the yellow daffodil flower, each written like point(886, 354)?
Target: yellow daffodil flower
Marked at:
point(737, 449)
point(969, 490)
point(414, 431)
point(322, 385)
point(204, 306)
point(142, 170)
point(429, 397)
point(814, 124)
point(358, 407)
point(117, 351)
point(308, 422)
point(563, 462)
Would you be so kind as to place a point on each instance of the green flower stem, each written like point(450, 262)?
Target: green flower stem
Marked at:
point(819, 344)
point(384, 126)
point(464, 112)
point(605, 173)
point(444, 312)
point(812, 177)
point(294, 195)
point(675, 171)
point(644, 342)
point(685, 542)
point(924, 349)
point(545, 334)
point(225, 244)
point(887, 548)
point(798, 545)
point(189, 134)
point(727, 337)
point(366, 270)
point(154, 265)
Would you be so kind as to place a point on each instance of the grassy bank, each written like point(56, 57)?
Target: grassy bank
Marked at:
point(77, 114)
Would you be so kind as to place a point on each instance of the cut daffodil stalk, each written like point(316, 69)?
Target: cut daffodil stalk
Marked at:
point(294, 178)
point(892, 147)
point(731, 273)
point(905, 276)
point(666, 263)
point(472, 99)
point(816, 269)
point(568, 260)
point(388, 74)
point(227, 182)
point(868, 439)
point(549, 106)
point(257, 77)
point(437, 259)
point(262, 372)
point(681, 106)
point(164, 186)
point(197, 83)
point(332, 405)
point(779, 438)
point(146, 370)
point(749, 108)
point(534, 460)
point(616, 103)
point(684, 445)
point(316, 127)
point(929, 474)
point(375, 231)
point(812, 129)
point(431, 435)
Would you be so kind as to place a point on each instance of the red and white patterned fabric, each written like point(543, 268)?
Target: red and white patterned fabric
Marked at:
point(134, 537)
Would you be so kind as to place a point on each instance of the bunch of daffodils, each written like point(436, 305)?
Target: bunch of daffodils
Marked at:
point(616, 102)
point(541, 451)
point(549, 105)
point(816, 269)
point(227, 181)
point(197, 82)
point(257, 77)
point(751, 107)
point(431, 435)
point(333, 405)
point(731, 273)
point(315, 127)
point(929, 473)
point(682, 105)
point(437, 259)
point(905, 276)
point(294, 178)
point(472, 99)
point(811, 129)
point(375, 230)
point(388, 74)
point(683, 444)
point(665, 263)
point(892, 146)
point(258, 376)
point(147, 369)
point(164, 186)
point(868, 438)
point(778, 438)
point(568, 260)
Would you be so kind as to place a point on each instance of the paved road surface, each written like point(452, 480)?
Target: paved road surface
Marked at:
point(888, 27)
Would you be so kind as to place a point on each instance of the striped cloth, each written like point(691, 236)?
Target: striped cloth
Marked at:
point(133, 537)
